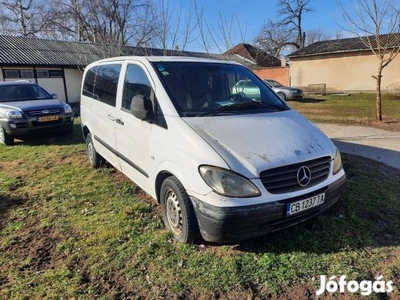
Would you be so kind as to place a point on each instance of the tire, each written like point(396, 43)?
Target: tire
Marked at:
point(5, 138)
point(94, 158)
point(282, 96)
point(177, 211)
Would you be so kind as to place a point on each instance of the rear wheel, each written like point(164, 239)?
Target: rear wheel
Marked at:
point(177, 211)
point(94, 158)
point(5, 138)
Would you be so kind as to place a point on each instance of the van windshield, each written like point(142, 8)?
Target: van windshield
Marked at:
point(205, 89)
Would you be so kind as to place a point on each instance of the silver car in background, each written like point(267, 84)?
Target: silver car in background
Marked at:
point(284, 92)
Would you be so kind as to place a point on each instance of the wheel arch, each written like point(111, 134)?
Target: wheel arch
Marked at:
point(85, 131)
point(169, 170)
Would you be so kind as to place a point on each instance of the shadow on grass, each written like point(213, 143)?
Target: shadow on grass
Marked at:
point(54, 138)
point(7, 203)
point(307, 100)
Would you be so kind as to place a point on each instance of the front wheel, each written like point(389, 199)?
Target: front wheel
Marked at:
point(282, 95)
point(5, 138)
point(177, 211)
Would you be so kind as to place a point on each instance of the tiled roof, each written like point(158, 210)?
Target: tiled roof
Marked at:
point(31, 51)
point(344, 45)
point(254, 55)
point(16, 50)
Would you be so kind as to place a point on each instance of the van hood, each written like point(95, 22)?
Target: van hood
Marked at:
point(253, 143)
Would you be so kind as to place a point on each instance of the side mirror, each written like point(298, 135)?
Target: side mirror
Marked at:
point(142, 108)
point(54, 96)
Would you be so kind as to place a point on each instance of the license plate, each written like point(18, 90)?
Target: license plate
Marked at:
point(302, 205)
point(48, 118)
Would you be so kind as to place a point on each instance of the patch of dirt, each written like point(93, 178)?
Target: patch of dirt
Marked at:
point(36, 249)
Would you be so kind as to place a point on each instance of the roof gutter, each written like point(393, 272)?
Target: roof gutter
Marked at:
point(332, 52)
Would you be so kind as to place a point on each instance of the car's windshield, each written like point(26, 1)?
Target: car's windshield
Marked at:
point(20, 92)
point(204, 89)
point(273, 83)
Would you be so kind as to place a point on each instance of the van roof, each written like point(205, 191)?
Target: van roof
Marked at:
point(166, 59)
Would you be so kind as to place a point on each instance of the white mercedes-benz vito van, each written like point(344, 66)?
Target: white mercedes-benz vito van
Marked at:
point(225, 157)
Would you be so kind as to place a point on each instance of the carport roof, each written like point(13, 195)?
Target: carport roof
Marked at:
point(17, 50)
point(346, 45)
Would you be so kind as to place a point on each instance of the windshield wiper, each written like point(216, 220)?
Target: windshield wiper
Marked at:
point(239, 106)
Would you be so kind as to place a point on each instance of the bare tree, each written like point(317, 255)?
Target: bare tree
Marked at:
point(175, 30)
point(316, 35)
point(25, 17)
point(226, 34)
point(116, 22)
point(288, 30)
point(377, 24)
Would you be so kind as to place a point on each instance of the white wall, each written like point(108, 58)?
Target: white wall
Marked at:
point(73, 80)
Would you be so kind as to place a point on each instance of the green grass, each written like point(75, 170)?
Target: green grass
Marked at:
point(352, 109)
point(69, 231)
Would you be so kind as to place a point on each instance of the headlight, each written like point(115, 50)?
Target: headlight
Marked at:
point(11, 113)
point(67, 109)
point(337, 162)
point(228, 183)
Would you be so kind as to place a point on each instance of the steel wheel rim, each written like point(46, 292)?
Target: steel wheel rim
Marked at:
point(2, 136)
point(91, 151)
point(173, 212)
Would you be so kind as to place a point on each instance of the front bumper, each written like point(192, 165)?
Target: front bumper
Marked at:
point(229, 224)
point(296, 96)
point(29, 126)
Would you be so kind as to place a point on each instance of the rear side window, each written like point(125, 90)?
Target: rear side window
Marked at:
point(101, 83)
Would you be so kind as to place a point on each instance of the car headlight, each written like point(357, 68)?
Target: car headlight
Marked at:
point(67, 109)
point(228, 183)
point(11, 113)
point(337, 162)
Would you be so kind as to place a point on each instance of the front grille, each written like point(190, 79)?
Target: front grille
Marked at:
point(284, 179)
point(39, 112)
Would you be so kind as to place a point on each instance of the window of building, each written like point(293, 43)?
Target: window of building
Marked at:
point(11, 73)
point(55, 74)
point(27, 74)
point(42, 73)
point(30, 73)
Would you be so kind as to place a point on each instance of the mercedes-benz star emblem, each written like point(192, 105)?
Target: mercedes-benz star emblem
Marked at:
point(303, 176)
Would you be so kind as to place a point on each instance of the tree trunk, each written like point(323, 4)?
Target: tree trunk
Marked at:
point(378, 94)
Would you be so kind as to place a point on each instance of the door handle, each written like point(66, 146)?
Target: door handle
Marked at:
point(111, 117)
point(119, 121)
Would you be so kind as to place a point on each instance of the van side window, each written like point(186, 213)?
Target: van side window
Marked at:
point(101, 83)
point(136, 83)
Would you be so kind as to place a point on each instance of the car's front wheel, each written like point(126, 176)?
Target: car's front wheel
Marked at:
point(5, 138)
point(282, 95)
point(177, 211)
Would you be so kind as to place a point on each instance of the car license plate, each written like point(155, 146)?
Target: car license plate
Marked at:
point(302, 205)
point(48, 118)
